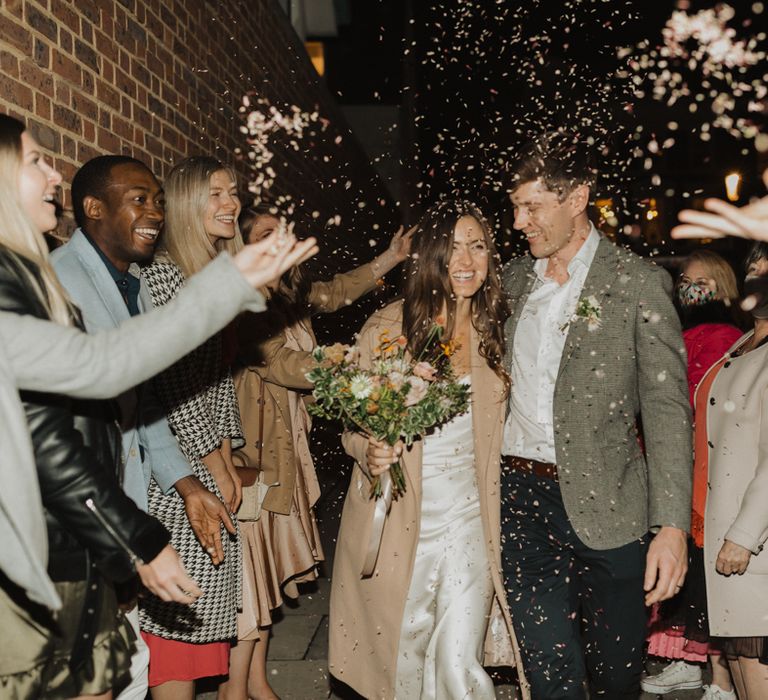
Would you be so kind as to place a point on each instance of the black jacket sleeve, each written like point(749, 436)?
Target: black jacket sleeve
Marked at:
point(86, 508)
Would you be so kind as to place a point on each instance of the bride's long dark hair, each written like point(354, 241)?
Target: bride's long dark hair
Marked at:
point(427, 285)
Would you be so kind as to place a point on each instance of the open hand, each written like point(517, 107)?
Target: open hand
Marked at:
point(264, 262)
point(732, 559)
point(400, 245)
point(749, 221)
point(166, 578)
point(665, 565)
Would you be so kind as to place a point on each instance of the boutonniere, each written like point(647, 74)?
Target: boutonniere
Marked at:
point(588, 309)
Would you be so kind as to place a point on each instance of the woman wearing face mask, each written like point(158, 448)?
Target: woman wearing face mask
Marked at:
point(707, 301)
point(416, 627)
point(282, 548)
point(202, 206)
point(731, 471)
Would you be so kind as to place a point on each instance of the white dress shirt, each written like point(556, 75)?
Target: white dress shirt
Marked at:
point(536, 352)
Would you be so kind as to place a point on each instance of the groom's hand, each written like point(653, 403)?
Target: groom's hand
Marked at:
point(665, 565)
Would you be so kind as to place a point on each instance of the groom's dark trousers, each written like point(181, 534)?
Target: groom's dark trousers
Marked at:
point(578, 612)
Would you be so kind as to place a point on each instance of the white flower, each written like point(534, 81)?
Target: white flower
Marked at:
point(418, 390)
point(360, 386)
point(589, 309)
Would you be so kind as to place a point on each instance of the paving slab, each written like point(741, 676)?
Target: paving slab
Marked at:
point(292, 636)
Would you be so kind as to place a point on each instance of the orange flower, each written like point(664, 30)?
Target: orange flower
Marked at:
point(372, 408)
point(402, 341)
point(440, 321)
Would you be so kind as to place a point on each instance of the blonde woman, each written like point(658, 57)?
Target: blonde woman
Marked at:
point(199, 398)
point(86, 649)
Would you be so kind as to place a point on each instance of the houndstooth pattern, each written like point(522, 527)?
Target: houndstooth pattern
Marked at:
point(199, 397)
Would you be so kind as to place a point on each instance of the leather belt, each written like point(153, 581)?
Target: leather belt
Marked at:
point(546, 470)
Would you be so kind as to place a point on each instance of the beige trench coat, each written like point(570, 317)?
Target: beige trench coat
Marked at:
point(737, 497)
point(263, 352)
point(367, 614)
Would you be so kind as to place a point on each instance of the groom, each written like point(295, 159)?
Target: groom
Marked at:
point(596, 457)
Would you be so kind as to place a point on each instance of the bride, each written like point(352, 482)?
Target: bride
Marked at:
point(416, 627)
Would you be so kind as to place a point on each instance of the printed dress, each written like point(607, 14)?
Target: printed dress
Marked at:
point(201, 406)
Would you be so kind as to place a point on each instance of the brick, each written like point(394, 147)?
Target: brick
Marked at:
point(86, 32)
point(67, 119)
point(108, 72)
point(9, 64)
point(36, 78)
point(65, 40)
point(41, 54)
point(89, 132)
point(15, 34)
point(157, 106)
point(63, 94)
point(88, 83)
point(90, 10)
point(85, 54)
point(140, 72)
point(108, 141)
point(105, 119)
point(105, 45)
point(18, 94)
point(125, 83)
point(107, 95)
point(142, 118)
point(41, 22)
point(84, 106)
point(66, 68)
point(47, 137)
point(65, 15)
point(138, 32)
point(68, 146)
point(42, 107)
point(15, 7)
point(86, 151)
point(122, 127)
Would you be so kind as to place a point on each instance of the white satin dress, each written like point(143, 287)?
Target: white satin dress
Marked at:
point(450, 594)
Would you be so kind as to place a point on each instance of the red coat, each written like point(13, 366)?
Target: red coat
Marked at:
point(706, 344)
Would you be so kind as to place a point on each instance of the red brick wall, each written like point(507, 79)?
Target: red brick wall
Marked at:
point(163, 79)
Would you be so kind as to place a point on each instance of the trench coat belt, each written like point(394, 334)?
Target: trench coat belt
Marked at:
point(546, 470)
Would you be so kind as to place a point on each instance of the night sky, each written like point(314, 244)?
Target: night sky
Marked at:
point(475, 79)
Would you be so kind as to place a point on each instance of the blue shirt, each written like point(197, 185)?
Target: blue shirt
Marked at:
point(127, 284)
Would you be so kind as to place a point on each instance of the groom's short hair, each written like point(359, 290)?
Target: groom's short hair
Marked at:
point(561, 159)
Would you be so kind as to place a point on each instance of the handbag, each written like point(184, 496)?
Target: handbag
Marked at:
point(252, 476)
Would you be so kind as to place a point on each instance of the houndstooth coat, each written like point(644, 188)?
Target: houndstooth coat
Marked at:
point(199, 397)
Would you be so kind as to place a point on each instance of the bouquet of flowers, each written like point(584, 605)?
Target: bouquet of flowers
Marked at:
point(397, 399)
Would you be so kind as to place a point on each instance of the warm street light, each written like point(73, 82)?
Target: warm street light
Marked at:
point(732, 186)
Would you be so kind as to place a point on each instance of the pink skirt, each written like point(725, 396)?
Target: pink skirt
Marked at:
point(279, 551)
point(170, 660)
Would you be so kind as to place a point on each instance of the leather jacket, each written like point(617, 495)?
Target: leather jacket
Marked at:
point(77, 450)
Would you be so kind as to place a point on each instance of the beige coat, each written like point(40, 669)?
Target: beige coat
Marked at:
point(266, 353)
point(737, 497)
point(367, 614)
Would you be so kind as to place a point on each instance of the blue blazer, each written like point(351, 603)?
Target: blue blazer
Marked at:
point(91, 287)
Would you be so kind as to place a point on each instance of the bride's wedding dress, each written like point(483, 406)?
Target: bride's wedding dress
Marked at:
point(449, 598)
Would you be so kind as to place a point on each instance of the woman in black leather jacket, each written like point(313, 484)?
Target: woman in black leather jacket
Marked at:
point(97, 535)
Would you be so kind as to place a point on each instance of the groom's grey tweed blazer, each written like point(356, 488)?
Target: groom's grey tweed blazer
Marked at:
point(624, 378)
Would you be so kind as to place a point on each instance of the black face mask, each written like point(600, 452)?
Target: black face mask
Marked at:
point(755, 299)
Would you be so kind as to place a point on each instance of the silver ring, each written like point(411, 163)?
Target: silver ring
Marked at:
point(274, 249)
point(210, 550)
